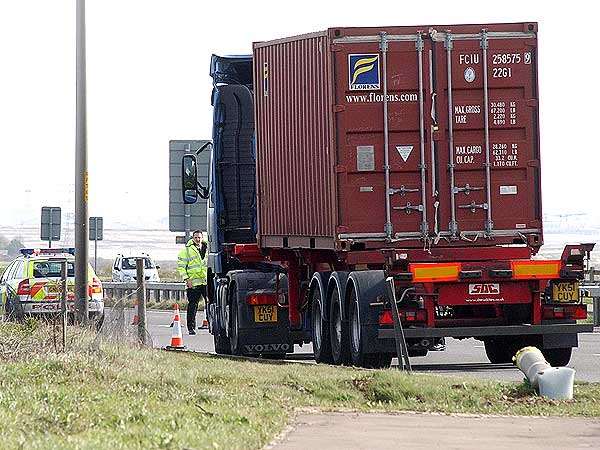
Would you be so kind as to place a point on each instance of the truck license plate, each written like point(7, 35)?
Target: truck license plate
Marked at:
point(565, 292)
point(265, 313)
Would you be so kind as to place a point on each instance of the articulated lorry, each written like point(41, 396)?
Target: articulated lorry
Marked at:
point(345, 158)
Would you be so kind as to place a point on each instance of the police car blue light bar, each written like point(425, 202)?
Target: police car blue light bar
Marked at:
point(47, 251)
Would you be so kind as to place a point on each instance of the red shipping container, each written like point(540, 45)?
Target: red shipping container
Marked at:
point(411, 136)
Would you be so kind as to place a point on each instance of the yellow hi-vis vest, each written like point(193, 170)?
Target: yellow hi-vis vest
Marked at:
point(190, 265)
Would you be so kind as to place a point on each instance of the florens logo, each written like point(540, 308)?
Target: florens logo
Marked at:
point(363, 72)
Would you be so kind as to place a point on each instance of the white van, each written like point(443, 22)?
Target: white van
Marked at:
point(124, 268)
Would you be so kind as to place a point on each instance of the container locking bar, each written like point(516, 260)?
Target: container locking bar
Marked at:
point(388, 229)
point(489, 224)
point(424, 225)
point(453, 226)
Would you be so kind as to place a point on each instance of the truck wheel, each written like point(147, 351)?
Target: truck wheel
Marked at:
point(222, 345)
point(558, 357)
point(234, 328)
point(338, 327)
point(321, 339)
point(500, 351)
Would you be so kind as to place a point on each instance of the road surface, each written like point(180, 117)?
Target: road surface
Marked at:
point(461, 357)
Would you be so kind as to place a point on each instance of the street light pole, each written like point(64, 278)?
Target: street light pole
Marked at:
point(81, 174)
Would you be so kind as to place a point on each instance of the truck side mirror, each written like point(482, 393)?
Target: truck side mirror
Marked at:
point(189, 179)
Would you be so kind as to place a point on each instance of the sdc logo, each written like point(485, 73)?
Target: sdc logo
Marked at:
point(484, 288)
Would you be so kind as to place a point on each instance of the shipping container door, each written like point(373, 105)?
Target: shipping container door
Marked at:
point(486, 153)
point(370, 70)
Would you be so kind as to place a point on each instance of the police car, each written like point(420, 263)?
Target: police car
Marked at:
point(31, 285)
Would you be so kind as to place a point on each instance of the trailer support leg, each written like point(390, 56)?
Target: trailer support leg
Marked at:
point(401, 348)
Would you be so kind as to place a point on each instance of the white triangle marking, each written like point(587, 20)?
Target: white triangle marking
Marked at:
point(404, 151)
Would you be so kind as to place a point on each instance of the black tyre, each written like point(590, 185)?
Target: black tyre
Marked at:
point(320, 328)
point(13, 310)
point(501, 351)
point(358, 351)
point(222, 345)
point(417, 352)
point(338, 327)
point(234, 327)
point(558, 357)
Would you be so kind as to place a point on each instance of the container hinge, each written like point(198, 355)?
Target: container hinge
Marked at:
point(467, 189)
point(453, 227)
point(408, 208)
point(489, 226)
point(474, 206)
point(402, 190)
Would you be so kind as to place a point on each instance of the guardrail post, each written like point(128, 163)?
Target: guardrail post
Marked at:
point(141, 295)
point(63, 302)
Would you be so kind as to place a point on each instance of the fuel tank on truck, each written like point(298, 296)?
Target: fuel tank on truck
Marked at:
point(411, 135)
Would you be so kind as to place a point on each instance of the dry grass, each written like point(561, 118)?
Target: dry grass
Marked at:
point(138, 398)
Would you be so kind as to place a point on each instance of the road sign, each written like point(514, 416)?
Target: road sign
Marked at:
point(96, 234)
point(183, 217)
point(50, 229)
point(96, 229)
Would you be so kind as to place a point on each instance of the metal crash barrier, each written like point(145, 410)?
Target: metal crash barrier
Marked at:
point(154, 291)
point(593, 292)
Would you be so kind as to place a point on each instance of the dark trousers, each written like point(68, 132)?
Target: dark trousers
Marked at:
point(193, 297)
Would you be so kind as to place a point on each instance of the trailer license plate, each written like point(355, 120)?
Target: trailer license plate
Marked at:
point(565, 292)
point(265, 313)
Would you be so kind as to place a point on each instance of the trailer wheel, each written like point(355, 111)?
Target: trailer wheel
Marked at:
point(358, 350)
point(364, 288)
point(501, 351)
point(338, 327)
point(321, 339)
point(558, 357)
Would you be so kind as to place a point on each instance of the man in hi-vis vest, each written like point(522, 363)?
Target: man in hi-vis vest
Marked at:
point(192, 268)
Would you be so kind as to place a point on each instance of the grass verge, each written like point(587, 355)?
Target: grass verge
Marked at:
point(117, 397)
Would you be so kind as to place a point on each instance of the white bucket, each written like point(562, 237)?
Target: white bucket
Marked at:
point(556, 383)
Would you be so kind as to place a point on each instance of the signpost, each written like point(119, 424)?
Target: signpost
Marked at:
point(81, 171)
point(50, 229)
point(184, 217)
point(96, 234)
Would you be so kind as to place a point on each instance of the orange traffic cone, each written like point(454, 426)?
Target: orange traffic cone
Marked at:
point(176, 337)
point(136, 318)
point(204, 324)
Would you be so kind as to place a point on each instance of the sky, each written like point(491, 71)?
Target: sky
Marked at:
point(148, 82)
